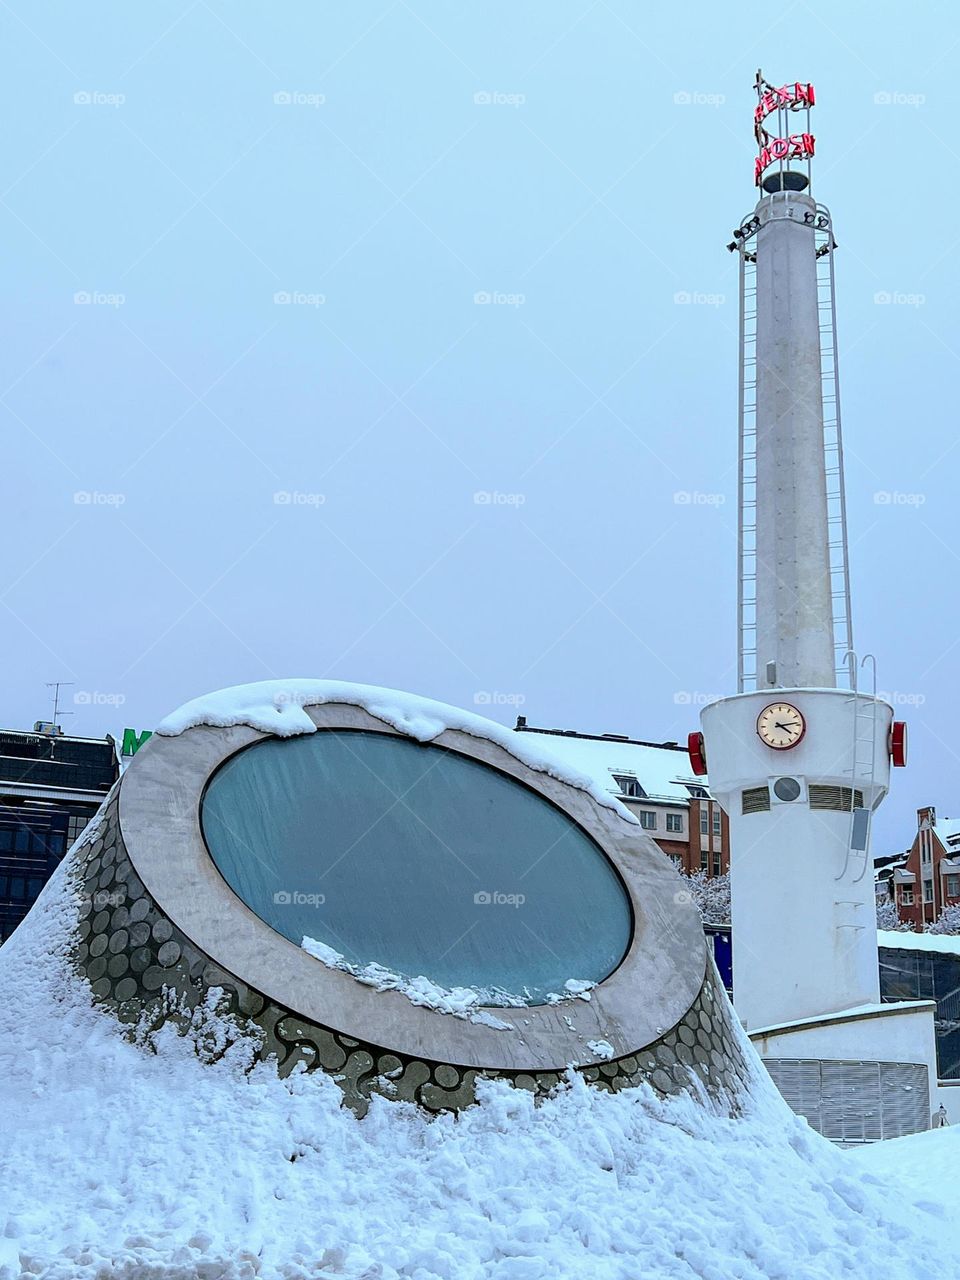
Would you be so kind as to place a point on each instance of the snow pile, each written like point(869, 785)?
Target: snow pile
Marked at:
point(917, 1164)
point(137, 1165)
point(277, 706)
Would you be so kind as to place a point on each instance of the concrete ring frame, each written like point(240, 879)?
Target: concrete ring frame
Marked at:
point(661, 1013)
point(652, 988)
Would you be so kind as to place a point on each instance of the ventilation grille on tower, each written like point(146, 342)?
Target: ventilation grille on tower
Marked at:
point(836, 798)
point(756, 800)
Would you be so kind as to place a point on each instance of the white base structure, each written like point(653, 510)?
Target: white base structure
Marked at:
point(859, 1075)
point(803, 902)
point(805, 974)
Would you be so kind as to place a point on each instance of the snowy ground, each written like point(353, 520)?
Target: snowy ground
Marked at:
point(923, 1165)
point(118, 1162)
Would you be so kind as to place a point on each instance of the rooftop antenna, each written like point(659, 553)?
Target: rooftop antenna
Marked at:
point(56, 686)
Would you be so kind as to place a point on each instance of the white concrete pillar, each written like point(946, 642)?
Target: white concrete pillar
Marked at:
point(794, 605)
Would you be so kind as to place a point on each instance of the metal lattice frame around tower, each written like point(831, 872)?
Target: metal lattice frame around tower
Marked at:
point(747, 453)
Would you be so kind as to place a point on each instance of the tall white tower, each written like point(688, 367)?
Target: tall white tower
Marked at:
point(798, 763)
point(794, 608)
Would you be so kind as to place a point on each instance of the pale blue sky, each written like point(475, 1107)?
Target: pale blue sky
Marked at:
point(587, 188)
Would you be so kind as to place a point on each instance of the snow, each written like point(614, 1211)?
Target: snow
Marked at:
point(577, 987)
point(947, 830)
point(949, 943)
point(856, 1011)
point(461, 1002)
point(601, 1048)
point(142, 1162)
point(663, 772)
point(277, 707)
point(918, 1162)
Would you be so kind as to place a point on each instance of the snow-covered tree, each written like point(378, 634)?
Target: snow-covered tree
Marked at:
point(711, 894)
point(887, 917)
point(948, 921)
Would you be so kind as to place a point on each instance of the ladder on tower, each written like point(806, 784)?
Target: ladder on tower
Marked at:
point(833, 443)
point(747, 476)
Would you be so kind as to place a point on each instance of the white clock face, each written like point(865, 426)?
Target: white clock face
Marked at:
point(780, 726)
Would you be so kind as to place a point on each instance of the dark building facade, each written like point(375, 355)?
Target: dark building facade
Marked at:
point(912, 973)
point(51, 785)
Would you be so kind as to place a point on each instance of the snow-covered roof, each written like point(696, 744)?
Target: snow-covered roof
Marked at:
point(945, 942)
point(885, 1010)
point(948, 829)
point(902, 876)
point(663, 771)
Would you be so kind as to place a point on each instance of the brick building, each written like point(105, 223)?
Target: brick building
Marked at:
point(654, 781)
point(926, 877)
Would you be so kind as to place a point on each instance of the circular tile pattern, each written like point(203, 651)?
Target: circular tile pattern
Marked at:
point(143, 967)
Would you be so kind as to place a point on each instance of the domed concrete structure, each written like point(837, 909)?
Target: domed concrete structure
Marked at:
point(400, 894)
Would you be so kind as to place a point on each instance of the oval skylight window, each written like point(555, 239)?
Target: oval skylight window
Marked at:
point(418, 859)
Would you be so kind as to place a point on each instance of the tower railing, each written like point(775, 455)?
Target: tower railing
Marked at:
point(833, 443)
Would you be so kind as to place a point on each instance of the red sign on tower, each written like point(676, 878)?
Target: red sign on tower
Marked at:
point(791, 96)
point(783, 145)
